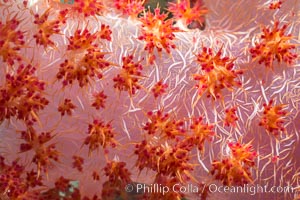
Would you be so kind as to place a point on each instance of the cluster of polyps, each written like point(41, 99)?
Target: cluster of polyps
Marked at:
point(117, 171)
point(66, 107)
point(162, 125)
point(43, 153)
point(235, 169)
point(183, 11)
point(100, 134)
point(118, 177)
point(99, 100)
point(78, 163)
point(157, 32)
point(88, 7)
point(200, 132)
point(175, 162)
point(172, 161)
point(274, 44)
point(22, 95)
point(216, 73)
point(46, 28)
point(159, 89)
point(11, 41)
point(230, 117)
point(131, 73)
point(273, 118)
point(13, 183)
point(130, 7)
point(275, 5)
point(86, 60)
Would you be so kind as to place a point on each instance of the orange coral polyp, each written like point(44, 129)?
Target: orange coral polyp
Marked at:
point(273, 118)
point(158, 32)
point(89, 7)
point(182, 10)
point(22, 96)
point(163, 125)
point(217, 73)
point(200, 133)
point(11, 41)
point(230, 117)
point(43, 153)
point(86, 60)
point(46, 28)
point(274, 44)
point(130, 75)
point(235, 169)
point(130, 7)
point(100, 135)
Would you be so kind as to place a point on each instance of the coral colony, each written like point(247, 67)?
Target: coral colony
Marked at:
point(115, 99)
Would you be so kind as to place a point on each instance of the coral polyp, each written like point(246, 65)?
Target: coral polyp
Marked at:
point(186, 13)
point(45, 154)
point(46, 29)
point(216, 73)
point(273, 118)
point(130, 8)
point(201, 133)
point(100, 135)
point(11, 40)
point(235, 170)
point(88, 7)
point(158, 33)
point(86, 60)
point(159, 89)
point(130, 75)
point(22, 95)
point(274, 44)
point(163, 125)
point(149, 100)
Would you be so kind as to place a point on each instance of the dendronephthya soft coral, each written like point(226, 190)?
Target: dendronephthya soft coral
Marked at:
point(113, 99)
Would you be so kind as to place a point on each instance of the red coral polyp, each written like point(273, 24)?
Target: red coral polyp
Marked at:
point(243, 153)
point(236, 168)
point(163, 125)
point(273, 118)
point(22, 96)
point(117, 171)
point(99, 100)
point(43, 154)
point(86, 61)
point(158, 33)
point(46, 28)
point(230, 117)
point(66, 107)
point(130, 75)
point(88, 7)
point(82, 40)
point(274, 44)
point(130, 7)
point(183, 11)
point(159, 89)
point(275, 5)
point(166, 160)
point(200, 133)
point(216, 73)
point(11, 41)
point(100, 135)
